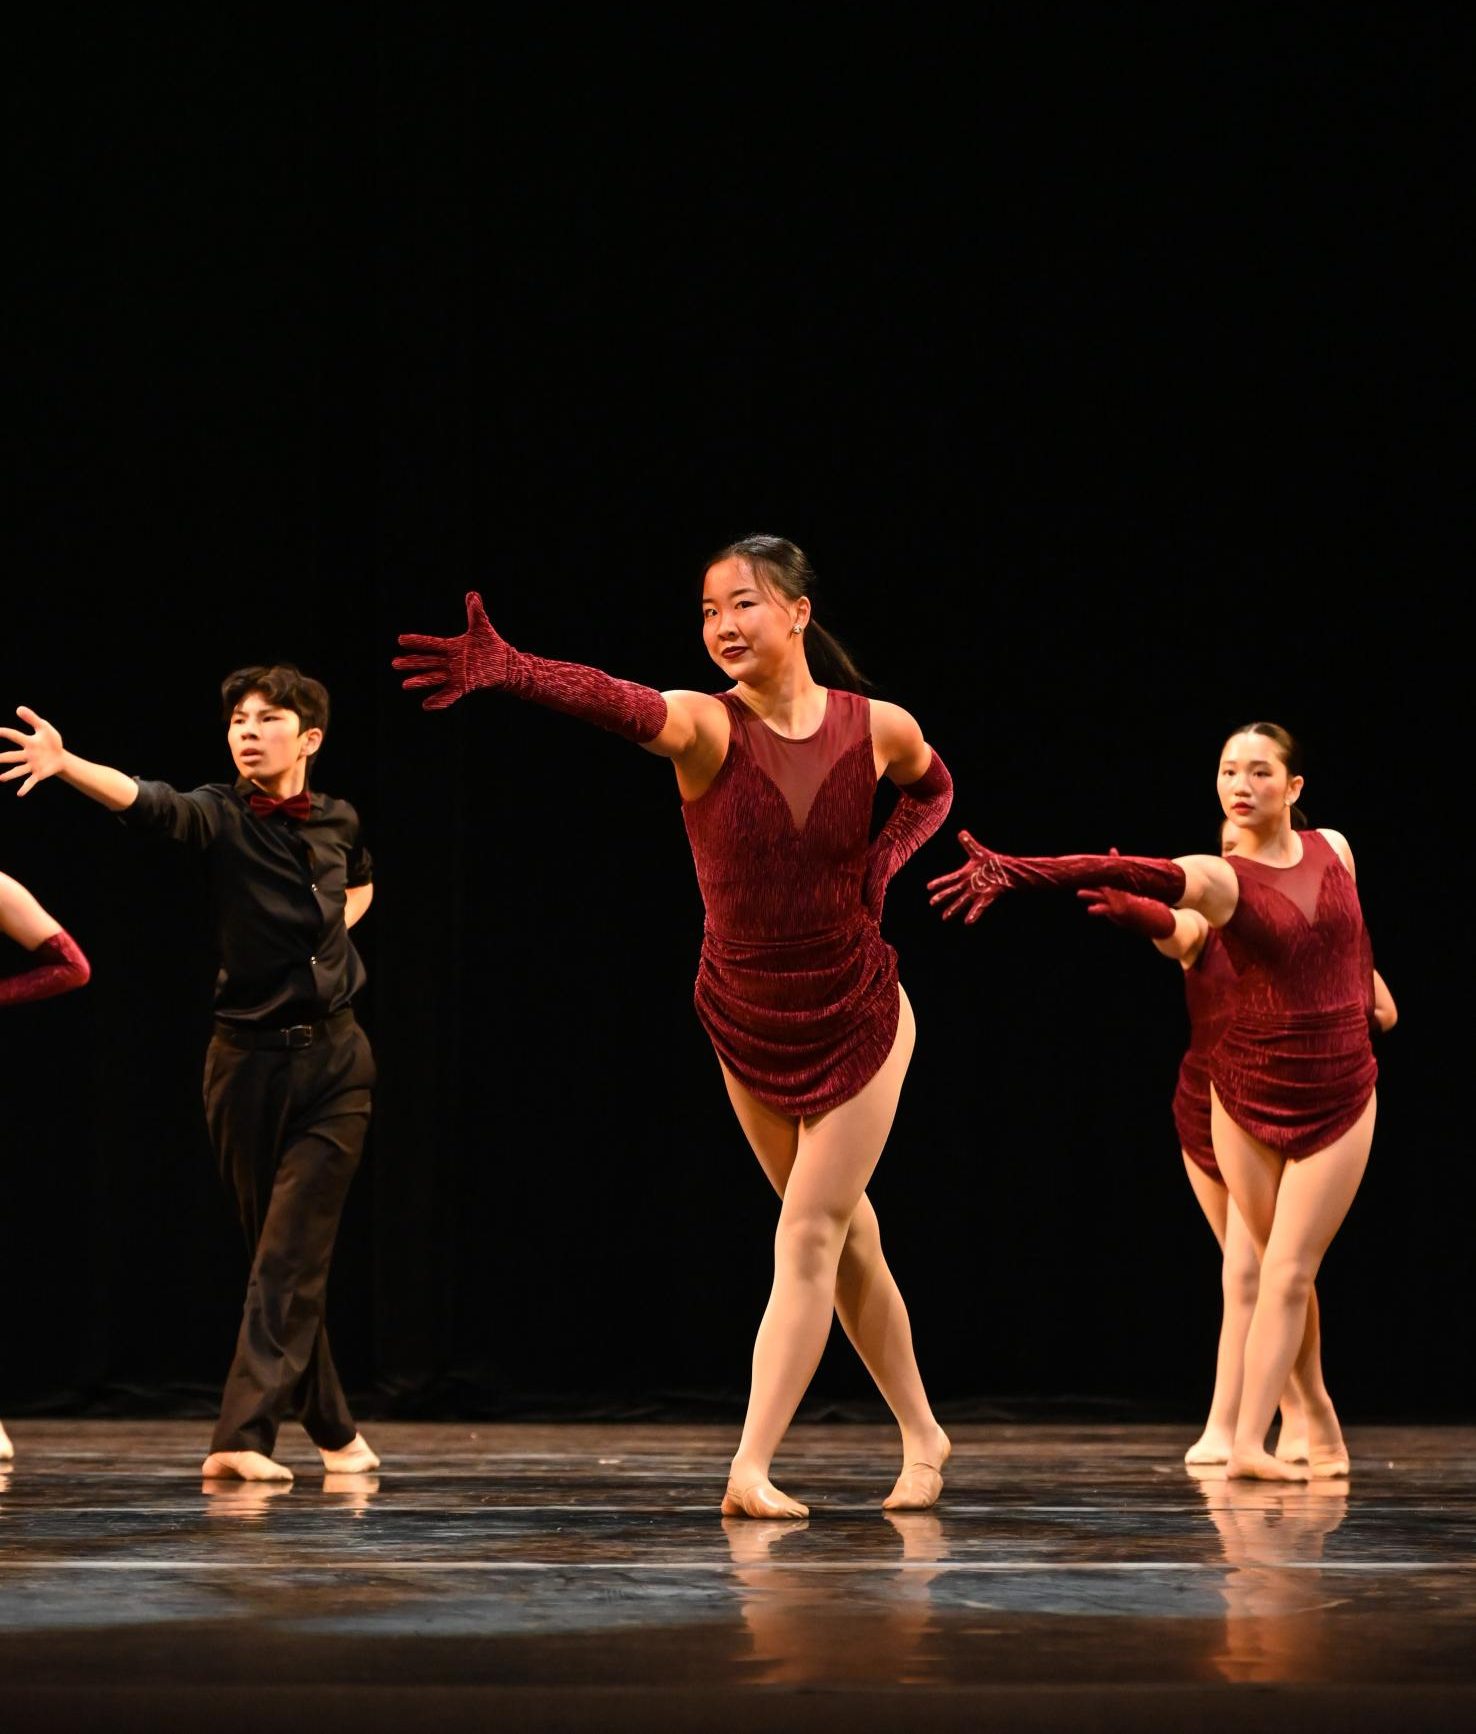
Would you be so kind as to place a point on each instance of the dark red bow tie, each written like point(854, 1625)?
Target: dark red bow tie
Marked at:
point(298, 806)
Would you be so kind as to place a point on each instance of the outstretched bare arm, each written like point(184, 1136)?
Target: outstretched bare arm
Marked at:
point(41, 754)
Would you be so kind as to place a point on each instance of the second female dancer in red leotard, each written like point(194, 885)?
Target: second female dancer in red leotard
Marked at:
point(796, 987)
point(55, 965)
point(1210, 984)
point(1293, 1074)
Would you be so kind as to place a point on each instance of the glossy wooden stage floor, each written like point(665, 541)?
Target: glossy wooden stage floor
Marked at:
point(579, 1577)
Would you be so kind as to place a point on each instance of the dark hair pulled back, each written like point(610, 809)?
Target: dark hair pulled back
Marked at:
point(784, 568)
point(1288, 750)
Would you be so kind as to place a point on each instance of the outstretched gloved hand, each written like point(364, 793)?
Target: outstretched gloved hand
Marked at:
point(447, 669)
point(972, 887)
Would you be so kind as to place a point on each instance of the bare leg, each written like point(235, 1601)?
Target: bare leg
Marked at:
point(869, 1305)
point(1240, 1273)
point(874, 1317)
point(1293, 1209)
point(835, 1154)
point(1305, 1392)
point(1239, 1291)
point(7, 1450)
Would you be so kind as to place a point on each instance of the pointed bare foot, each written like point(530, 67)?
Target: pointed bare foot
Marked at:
point(7, 1450)
point(761, 1499)
point(355, 1458)
point(243, 1466)
point(1262, 1466)
point(1212, 1446)
point(1329, 1460)
point(921, 1481)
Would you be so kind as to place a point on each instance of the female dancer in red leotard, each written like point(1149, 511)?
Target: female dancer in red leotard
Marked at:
point(1210, 983)
point(1293, 1074)
point(796, 987)
point(56, 966)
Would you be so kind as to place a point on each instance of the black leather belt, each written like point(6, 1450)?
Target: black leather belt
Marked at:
point(287, 1036)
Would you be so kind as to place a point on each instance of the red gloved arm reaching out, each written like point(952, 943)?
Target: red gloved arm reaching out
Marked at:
point(446, 669)
point(970, 889)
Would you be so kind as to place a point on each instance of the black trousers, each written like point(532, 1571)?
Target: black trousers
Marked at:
point(288, 1127)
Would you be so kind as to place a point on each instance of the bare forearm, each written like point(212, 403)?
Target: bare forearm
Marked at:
point(1184, 943)
point(356, 901)
point(100, 783)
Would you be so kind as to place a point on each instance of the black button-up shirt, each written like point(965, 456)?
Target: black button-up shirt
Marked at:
point(276, 897)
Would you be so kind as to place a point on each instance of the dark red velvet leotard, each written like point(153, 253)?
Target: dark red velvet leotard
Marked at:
point(796, 987)
point(1295, 1067)
point(1209, 992)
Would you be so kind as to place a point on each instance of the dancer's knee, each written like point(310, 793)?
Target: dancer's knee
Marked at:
point(1240, 1278)
point(808, 1244)
point(863, 1237)
point(1287, 1278)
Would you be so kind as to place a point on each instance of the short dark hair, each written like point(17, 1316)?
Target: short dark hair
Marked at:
point(285, 685)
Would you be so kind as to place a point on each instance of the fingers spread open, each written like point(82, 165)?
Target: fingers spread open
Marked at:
point(424, 661)
point(419, 641)
point(417, 682)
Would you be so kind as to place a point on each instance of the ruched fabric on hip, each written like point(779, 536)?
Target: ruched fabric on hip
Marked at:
point(803, 1023)
point(1297, 1081)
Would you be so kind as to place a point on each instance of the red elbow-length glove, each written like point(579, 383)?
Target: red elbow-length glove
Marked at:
point(921, 808)
point(57, 967)
point(984, 876)
point(447, 669)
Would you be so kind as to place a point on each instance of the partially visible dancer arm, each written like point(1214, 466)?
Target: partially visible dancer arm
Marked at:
point(41, 755)
point(57, 964)
point(1177, 933)
point(924, 795)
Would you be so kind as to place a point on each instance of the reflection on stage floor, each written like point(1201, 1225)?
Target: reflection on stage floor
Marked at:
point(580, 1576)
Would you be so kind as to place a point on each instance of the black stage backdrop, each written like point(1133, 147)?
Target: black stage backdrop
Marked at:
point(1103, 363)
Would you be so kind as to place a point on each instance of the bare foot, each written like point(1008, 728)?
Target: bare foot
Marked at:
point(1262, 1466)
point(1291, 1447)
point(355, 1458)
point(1212, 1446)
point(1329, 1461)
point(761, 1499)
point(7, 1450)
point(921, 1480)
point(243, 1466)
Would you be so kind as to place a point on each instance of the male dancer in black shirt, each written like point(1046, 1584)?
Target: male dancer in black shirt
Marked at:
point(288, 1072)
